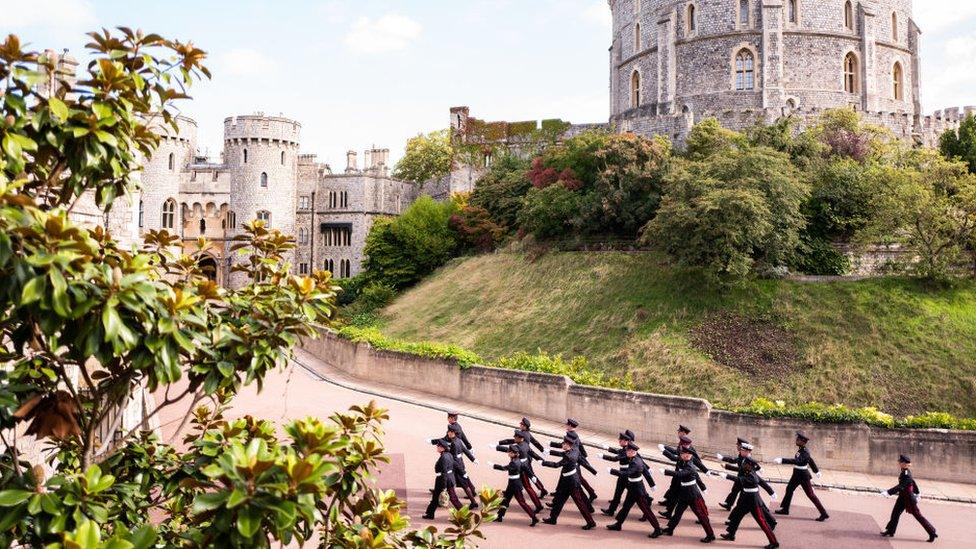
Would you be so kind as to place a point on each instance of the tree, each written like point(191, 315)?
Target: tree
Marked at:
point(501, 190)
point(961, 143)
point(84, 322)
point(475, 229)
point(428, 157)
point(550, 212)
point(400, 251)
point(708, 138)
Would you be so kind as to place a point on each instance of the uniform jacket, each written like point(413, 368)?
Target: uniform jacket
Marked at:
point(671, 453)
point(514, 470)
point(568, 466)
point(445, 469)
point(462, 436)
point(802, 462)
point(636, 472)
point(750, 482)
point(686, 476)
point(906, 485)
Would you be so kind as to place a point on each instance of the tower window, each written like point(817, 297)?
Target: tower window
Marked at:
point(692, 19)
point(894, 26)
point(141, 214)
point(245, 156)
point(282, 158)
point(344, 199)
point(899, 82)
point(745, 70)
point(635, 90)
point(329, 265)
point(231, 220)
point(172, 162)
point(216, 174)
point(169, 214)
point(849, 15)
point(850, 73)
point(744, 13)
point(264, 179)
point(203, 226)
point(637, 38)
point(303, 268)
point(791, 11)
point(265, 216)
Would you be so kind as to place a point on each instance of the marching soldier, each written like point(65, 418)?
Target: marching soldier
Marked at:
point(452, 420)
point(802, 465)
point(526, 455)
point(688, 494)
point(735, 465)
point(908, 494)
point(444, 469)
point(571, 426)
point(526, 427)
point(459, 450)
point(674, 454)
point(618, 455)
point(634, 474)
point(515, 485)
point(750, 502)
point(569, 484)
point(730, 499)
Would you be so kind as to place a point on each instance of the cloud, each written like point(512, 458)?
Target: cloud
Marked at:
point(389, 33)
point(58, 14)
point(244, 62)
point(598, 12)
point(934, 16)
point(950, 81)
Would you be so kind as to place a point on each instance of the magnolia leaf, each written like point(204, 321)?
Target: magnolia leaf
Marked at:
point(58, 108)
point(10, 498)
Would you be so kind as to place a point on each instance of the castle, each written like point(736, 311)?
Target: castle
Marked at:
point(674, 62)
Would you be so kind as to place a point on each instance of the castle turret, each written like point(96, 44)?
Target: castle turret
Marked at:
point(261, 153)
point(162, 174)
point(351, 163)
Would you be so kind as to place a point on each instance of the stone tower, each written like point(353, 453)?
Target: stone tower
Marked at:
point(159, 205)
point(261, 153)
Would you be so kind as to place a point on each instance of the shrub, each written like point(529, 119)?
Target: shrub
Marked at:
point(577, 369)
point(961, 143)
point(501, 190)
point(377, 340)
point(475, 229)
point(817, 256)
point(549, 212)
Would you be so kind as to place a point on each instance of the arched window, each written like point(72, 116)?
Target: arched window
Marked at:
point(791, 11)
point(851, 79)
point(849, 15)
point(265, 216)
point(172, 162)
point(744, 13)
point(169, 214)
point(264, 179)
point(141, 214)
point(282, 158)
point(245, 156)
point(231, 220)
point(637, 38)
point(898, 76)
point(329, 265)
point(635, 90)
point(894, 26)
point(203, 226)
point(692, 18)
point(745, 70)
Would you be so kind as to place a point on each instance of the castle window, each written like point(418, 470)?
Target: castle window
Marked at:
point(282, 158)
point(899, 82)
point(894, 26)
point(637, 38)
point(849, 15)
point(488, 159)
point(264, 179)
point(692, 19)
point(141, 214)
point(635, 90)
point(303, 268)
point(745, 70)
point(172, 162)
point(265, 216)
point(791, 11)
point(329, 265)
point(333, 200)
point(215, 175)
point(169, 214)
point(850, 73)
point(744, 13)
point(203, 226)
point(303, 202)
point(193, 176)
point(345, 269)
point(245, 156)
point(337, 237)
point(303, 236)
point(232, 220)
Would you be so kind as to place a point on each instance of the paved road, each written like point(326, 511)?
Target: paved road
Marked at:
point(855, 519)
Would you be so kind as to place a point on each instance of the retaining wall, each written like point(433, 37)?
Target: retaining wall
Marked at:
point(936, 454)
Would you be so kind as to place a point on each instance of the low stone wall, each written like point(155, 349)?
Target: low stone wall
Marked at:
point(937, 454)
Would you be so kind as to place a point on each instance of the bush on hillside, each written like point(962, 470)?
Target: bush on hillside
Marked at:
point(819, 257)
point(550, 212)
point(501, 190)
point(578, 369)
point(475, 230)
point(961, 143)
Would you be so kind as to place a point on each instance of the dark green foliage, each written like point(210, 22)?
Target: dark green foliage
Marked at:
point(817, 256)
point(842, 200)
point(501, 190)
point(550, 212)
point(475, 230)
point(961, 143)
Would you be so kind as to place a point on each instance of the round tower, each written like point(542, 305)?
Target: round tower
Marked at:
point(261, 153)
point(162, 174)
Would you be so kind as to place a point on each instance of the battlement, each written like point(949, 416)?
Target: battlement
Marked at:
point(258, 127)
point(473, 131)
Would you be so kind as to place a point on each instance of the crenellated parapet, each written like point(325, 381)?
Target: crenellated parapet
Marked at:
point(258, 128)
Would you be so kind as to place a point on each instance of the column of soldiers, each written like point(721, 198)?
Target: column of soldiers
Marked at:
point(634, 480)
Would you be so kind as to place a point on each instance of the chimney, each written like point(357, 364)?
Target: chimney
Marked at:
point(351, 166)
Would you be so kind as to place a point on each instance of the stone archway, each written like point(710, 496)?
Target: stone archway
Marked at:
point(208, 265)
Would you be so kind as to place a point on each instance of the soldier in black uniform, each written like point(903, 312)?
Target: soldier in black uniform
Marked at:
point(459, 450)
point(730, 499)
point(735, 465)
point(526, 455)
point(526, 427)
point(452, 420)
point(514, 487)
point(802, 464)
point(688, 494)
point(750, 502)
point(571, 426)
point(444, 468)
point(569, 484)
point(674, 454)
point(619, 456)
point(634, 474)
point(908, 493)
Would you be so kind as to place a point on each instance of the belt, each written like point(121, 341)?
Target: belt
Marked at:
point(513, 477)
point(692, 483)
point(636, 479)
point(750, 490)
point(569, 474)
point(523, 460)
point(801, 467)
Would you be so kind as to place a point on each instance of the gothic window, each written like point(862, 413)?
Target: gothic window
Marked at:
point(172, 162)
point(849, 15)
point(169, 214)
point(791, 11)
point(345, 268)
point(333, 200)
point(745, 70)
point(264, 179)
point(850, 73)
point(635, 90)
point(899, 82)
point(265, 216)
point(303, 236)
point(692, 19)
point(203, 226)
point(637, 38)
point(329, 265)
point(141, 214)
point(894, 26)
point(282, 158)
point(744, 13)
point(231, 220)
point(303, 268)
point(245, 156)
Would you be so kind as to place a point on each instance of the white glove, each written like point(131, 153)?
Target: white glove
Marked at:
point(662, 470)
point(547, 452)
point(431, 440)
point(491, 464)
point(475, 462)
point(779, 461)
point(774, 497)
point(720, 457)
point(819, 475)
point(609, 470)
point(607, 447)
point(884, 493)
point(660, 447)
point(654, 488)
point(491, 446)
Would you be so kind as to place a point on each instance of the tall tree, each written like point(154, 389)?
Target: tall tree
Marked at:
point(961, 143)
point(428, 157)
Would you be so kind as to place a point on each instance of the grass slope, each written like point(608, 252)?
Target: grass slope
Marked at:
point(894, 344)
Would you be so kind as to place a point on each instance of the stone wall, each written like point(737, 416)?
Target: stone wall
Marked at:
point(937, 454)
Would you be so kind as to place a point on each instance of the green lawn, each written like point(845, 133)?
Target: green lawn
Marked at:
point(894, 344)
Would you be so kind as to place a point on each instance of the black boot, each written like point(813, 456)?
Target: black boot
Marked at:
point(725, 506)
point(782, 511)
point(549, 520)
point(535, 520)
point(887, 534)
point(656, 533)
point(707, 539)
point(823, 517)
point(428, 516)
point(616, 527)
point(728, 537)
point(932, 537)
point(590, 526)
point(772, 546)
point(609, 511)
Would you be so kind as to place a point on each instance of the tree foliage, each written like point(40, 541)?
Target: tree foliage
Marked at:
point(501, 189)
point(427, 157)
point(961, 143)
point(84, 322)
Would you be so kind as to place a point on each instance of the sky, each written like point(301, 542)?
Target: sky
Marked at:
point(359, 73)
